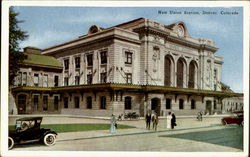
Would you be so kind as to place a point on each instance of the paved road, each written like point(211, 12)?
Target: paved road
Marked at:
point(213, 138)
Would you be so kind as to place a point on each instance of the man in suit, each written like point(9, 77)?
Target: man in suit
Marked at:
point(148, 119)
point(173, 121)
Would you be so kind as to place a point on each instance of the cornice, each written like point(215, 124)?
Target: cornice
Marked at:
point(169, 37)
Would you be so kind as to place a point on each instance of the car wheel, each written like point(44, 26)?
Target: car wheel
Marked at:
point(10, 143)
point(224, 122)
point(242, 123)
point(49, 139)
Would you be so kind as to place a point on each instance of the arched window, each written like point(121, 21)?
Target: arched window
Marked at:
point(167, 79)
point(191, 75)
point(181, 104)
point(89, 102)
point(193, 104)
point(180, 68)
point(103, 102)
point(128, 103)
point(168, 103)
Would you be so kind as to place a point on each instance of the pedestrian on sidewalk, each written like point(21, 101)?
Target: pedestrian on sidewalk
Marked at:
point(155, 121)
point(169, 117)
point(148, 119)
point(112, 124)
point(173, 121)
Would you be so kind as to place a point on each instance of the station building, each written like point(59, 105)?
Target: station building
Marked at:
point(137, 66)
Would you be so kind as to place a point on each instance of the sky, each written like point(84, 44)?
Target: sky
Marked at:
point(48, 26)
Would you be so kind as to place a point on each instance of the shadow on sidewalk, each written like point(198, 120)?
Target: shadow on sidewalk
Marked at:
point(229, 136)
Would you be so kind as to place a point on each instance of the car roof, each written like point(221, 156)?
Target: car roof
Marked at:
point(30, 118)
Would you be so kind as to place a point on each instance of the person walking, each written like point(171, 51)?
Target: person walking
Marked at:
point(169, 117)
point(173, 121)
point(148, 119)
point(112, 124)
point(155, 121)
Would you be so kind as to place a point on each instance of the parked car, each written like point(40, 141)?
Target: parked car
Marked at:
point(29, 130)
point(237, 118)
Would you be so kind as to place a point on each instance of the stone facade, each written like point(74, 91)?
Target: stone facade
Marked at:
point(140, 65)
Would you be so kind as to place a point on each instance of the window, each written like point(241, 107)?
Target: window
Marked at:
point(36, 77)
point(90, 59)
point(129, 78)
point(45, 103)
point(19, 79)
point(66, 81)
point(191, 75)
point(181, 104)
point(66, 102)
point(77, 80)
point(77, 62)
point(56, 103)
point(45, 80)
point(103, 57)
point(128, 57)
point(89, 79)
point(180, 70)
point(89, 102)
point(76, 102)
point(128, 103)
point(193, 104)
point(66, 64)
point(35, 102)
point(168, 103)
point(24, 79)
point(103, 77)
point(56, 80)
point(103, 102)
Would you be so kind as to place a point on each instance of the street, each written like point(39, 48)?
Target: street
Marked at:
point(189, 136)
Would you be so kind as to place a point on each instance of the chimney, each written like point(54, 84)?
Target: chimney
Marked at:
point(34, 50)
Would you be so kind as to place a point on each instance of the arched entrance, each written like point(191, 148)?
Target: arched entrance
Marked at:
point(156, 105)
point(209, 106)
point(21, 104)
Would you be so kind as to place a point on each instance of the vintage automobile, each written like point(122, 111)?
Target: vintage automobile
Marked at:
point(29, 130)
point(237, 118)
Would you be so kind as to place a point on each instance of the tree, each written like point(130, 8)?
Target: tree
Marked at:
point(15, 36)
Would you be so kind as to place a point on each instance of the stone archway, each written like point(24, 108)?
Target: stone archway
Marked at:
point(156, 105)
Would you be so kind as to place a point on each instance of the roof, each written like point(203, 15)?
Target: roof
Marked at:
point(30, 118)
point(41, 60)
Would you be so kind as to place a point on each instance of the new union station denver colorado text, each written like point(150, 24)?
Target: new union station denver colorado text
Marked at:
point(137, 66)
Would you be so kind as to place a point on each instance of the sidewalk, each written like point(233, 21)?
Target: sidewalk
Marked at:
point(182, 124)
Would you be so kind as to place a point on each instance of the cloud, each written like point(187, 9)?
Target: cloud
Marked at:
point(46, 39)
point(104, 18)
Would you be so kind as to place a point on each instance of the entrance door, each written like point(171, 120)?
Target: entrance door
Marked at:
point(21, 104)
point(156, 105)
point(209, 106)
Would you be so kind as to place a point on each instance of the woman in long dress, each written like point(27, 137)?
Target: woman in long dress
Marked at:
point(169, 117)
point(112, 124)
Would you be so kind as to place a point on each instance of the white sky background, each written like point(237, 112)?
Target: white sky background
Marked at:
point(48, 26)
